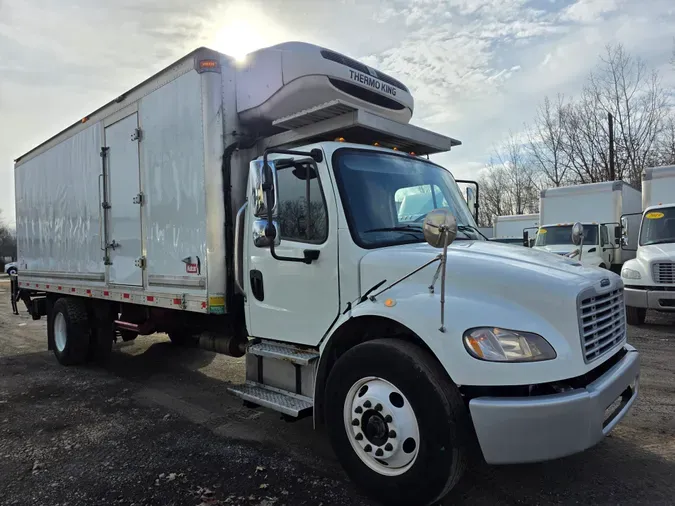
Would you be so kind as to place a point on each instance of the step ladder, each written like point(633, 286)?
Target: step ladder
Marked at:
point(279, 377)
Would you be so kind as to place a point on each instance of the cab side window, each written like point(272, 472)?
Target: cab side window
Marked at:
point(301, 219)
point(604, 235)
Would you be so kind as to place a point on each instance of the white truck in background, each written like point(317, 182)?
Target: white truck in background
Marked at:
point(598, 207)
point(255, 210)
point(650, 277)
point(510, 229)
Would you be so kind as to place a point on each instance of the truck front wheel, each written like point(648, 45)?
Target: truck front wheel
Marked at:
point(635, 315)
point(70, 331)
point(396, 422)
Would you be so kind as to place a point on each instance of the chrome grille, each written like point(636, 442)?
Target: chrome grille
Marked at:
point(664, 272)
point(602, 322)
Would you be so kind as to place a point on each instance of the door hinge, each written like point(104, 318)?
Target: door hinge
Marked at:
point(104, 151)
point(137, 135)
point(106, 260)
point(140, 262)
point(139, 199)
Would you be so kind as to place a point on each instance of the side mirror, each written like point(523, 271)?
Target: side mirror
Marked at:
point(263, 180)
point(577, 234)
point(440, 228)
point(618, 232)
point(526, 238)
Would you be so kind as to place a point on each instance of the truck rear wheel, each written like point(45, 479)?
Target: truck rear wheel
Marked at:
point(70, 331)
point(635, 315)
point(396, 422)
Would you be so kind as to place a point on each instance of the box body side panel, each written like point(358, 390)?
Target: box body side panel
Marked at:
point(58, 207)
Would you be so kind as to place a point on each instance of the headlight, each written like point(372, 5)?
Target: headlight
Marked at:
point(500, 345)
point(630, 273)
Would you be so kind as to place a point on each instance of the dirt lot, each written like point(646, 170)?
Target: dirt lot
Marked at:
point(157, 427)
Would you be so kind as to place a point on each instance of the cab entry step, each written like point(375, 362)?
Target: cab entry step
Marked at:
point(283, 352)
point(279, 400)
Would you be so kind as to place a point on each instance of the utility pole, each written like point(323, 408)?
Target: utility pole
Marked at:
point(612, 172)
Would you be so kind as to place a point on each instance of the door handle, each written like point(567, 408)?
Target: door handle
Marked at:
point(257, 287)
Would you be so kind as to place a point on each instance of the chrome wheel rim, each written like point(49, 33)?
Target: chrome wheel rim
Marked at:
point(381, 426)
point(60, 332)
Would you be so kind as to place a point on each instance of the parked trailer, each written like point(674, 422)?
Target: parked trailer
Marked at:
point(598, 207)
point(650, 277)
point(256, 210)
point(510, 228)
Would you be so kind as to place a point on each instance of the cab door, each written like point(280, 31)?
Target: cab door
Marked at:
point(291, 281)
point(606, 246)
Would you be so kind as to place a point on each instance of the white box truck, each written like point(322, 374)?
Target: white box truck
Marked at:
point(650, 277)
point(598, 207)
point(255, 210)
point(510, 228)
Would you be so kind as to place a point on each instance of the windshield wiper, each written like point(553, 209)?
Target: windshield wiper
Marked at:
point(464, 228)
point(405, 228)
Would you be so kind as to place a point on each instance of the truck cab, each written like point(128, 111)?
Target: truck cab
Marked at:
point(597, 249)
point(650, 276)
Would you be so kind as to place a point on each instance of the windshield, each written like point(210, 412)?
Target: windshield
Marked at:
point(658, 226)
point(562, 234)
point(386, 197)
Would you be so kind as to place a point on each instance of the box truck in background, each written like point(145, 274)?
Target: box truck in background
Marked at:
point(598, 207)
point(256, 210)
point(510, 228)
point(649, 278)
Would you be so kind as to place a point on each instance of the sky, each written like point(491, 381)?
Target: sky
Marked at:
point(477, 68)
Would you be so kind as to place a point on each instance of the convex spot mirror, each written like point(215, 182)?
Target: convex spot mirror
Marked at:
point(577, 233)
point(440, 228)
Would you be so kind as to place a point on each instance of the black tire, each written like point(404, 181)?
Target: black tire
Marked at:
point(128, 335)
point(12, 271)
point(635, 315)
point(182, 338)
point(77, 331)
point(441, 414)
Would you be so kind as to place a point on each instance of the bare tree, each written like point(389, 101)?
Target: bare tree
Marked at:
point(519, 175)
point(547, 142)
point(507, 185)
point(623, 86)
point(7, 242)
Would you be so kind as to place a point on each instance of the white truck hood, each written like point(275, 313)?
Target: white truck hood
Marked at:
point(510, 260)
point(490, 284)
point(657, 253)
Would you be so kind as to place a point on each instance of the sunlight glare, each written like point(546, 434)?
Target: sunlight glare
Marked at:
point(239, 37)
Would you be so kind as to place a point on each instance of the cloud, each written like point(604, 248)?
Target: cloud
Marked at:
point(477, 68)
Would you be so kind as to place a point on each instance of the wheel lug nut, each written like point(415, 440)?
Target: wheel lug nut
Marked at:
point(392, 434)
point(368, 448)
point(379, 452)
point(359, 409)
point(359, 437)
point(388, 418)
point(367, 404)
point(388, 447)
point(378, 407)
point(355, 422)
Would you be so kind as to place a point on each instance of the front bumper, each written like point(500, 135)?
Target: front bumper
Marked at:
point(649, 299)
point(530, 429)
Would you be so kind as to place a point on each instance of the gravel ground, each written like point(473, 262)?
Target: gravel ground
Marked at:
point(157, 427)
